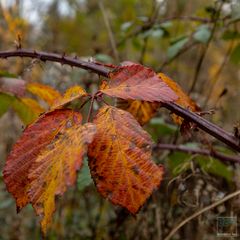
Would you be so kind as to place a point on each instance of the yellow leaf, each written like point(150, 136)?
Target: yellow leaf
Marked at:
point(47, 93)
point(70, 95)
point(56, 167)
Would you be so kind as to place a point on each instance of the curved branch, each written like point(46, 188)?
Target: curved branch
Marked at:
point(205, 152)
point(201, 211)
point(202, 123)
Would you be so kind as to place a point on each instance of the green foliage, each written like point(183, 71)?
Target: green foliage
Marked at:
point(84, 177)
point(235, 56)
point(180, 162)
point(176, 46)
point(5, 102)
point(202, 34)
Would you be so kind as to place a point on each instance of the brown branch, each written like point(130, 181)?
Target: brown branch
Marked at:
point(202, 123)
point(205, 152)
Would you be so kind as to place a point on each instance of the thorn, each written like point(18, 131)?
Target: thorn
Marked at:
point(63, 58)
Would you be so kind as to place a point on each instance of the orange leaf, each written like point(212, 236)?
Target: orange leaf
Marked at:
point(35, 138)
point(143, 111)
point(137, 82)
point(71, 94)
point(184, 100)
point(55, 169)
point(47, 93)
point(120, 159)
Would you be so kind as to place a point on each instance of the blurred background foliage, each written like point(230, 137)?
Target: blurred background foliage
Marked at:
point(196, 43)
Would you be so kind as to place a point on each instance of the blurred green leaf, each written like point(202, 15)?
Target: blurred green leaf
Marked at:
point(6, 203)
point(157, 127)
point(202, 35)
point(174, 49)
point(214, 166)
point(103, 58)
point(235, 56)
point(7, 74)
point(126, 26)
point(136, 44)
point(84, 176)
point(178, 162)
point(155, 33)
point(229, 35)
point(5, 102)
point(25, 113)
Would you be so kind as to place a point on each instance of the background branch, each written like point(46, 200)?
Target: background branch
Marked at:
point(205, 152)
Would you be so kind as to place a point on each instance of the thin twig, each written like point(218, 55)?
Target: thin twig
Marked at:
point(213, 205)
point(205, 49)
point(218, 73)
point(183, 50)
point(109, 30)
point(205, 152)
point(90, 109)
point(202, 123)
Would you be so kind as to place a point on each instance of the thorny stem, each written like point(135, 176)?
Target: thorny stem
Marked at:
point(202, 123)
point(205, 152)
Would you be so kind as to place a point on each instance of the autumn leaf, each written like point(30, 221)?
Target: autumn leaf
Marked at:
point(56, 168)
point(47, 93)
point(71, 94)
point(142, 111)
point(138, 82)
point(35, 138)
point(183, 99)
point(120, 159)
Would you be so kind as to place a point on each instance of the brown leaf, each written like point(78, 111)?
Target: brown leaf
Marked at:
point(137, 82)
point(56, 167)
point(120, 159)
point(35, 138)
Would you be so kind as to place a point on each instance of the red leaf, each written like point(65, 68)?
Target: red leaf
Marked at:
point(137, 82)
point(34, 139)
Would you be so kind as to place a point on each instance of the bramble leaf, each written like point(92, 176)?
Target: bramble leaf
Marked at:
point(142, 111)
point(183, 99)
point(137, 82)
point(71, 94)
point(56, 167)
point(35, 138)
point(120, 159)
point(47, 93)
